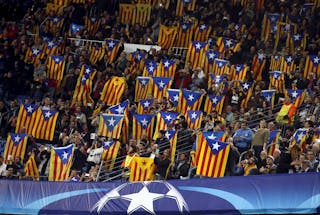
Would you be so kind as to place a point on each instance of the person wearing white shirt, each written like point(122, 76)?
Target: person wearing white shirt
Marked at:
point(3, 167)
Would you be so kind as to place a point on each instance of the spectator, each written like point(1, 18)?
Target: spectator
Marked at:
point(243, 137)
point(260, 138)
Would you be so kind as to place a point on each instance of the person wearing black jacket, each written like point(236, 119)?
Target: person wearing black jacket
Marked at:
point(162, 163)
point(181, 167)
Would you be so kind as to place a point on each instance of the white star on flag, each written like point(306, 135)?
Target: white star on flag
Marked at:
point(238, 68)
point(166, 64)
point(168, 117)
point(88, 71)
point(143, 82)
point(228, 43)
point(167, 135)
point(111, 44)
point(146, 104)
point(56, 60)
point(261, 56)
point(176, 98)
point(220, 64)
point(47, 114)
point(35, 51)
point(246, 86)
point(111, 121)
point(151, 68)
point(316, 60)
point(275, 75)
point(120, 109)
point(296, 37)
point(184, 26)
point(29, 109)
point(17, 138)
point(64, 155)
point(211, 56)
point(289, 59)
point(198, 46)
point(294, 94)
point(139, 57)
point(215, 146)
point(202, 27)
point(106, 144)
point(55, 19)
point(50, 44)
point(273, 19)
point(268, 98)
point(215, 100)
point(300, 136)
point(144, 122)
point(161, 84)
point(193, 115)
point(212, 137)
point(190, 97)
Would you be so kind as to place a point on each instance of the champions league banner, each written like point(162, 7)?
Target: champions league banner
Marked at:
point(230, 195)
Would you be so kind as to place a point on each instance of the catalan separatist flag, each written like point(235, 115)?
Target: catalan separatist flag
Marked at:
point(283, 28)
point(112, 48)
point(160, 85)
point(212, 103)
point(142, 124)
point(31, 168)
point(296, 40)
point(196, 52)
point(126, 12)
point(167, 36)
point(220, 67)
point(113, 90)
point(55, 67)
point(151, 69)
point(239, 72)
point(172, 136)
point(190, 100)
point(143, 84)
point(51, 47)
point(164, 121)
point(193, 155)
point(257, 66)
point(247, 90)
point(97, 53)
point(273, 141)
point(181, 4)
point(45, 124)
point(168, 68)
point(61, 2)
point(144, 106)
point(60, 163)
point(202, 32)
point(138, 57)
point(299, 138)
point(287, 64)
point(259, 5)
point(26, 117)
point(312, 65)
point(142, 14)
point(275, 62)
point(269, 20)
point(194, 119)
point(212, 155)
point(82, 92)
point(174, 96)
point(92, 24)
point(110, 152)
point(121, 108)
point(110, 125)
point(240, 28)
point(34, 54)
point(208, 59)
point(269, 96)
point(185, 34)
point(215, 79)
point(15, 146)
point(297, 96)
point(56, 23)
point(142, 169)
point(224, 44)
point(75, 29)
point(277, 80)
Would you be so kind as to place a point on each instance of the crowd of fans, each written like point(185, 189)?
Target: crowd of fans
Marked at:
point(247, 129)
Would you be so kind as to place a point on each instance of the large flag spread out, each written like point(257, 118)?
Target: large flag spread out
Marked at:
point(174, 96)
point(299, 138)
point(287, 64)
point(126, 12)
point(269, 96)
point(167, 68)
point(167, 36)
point(202, 32)
point(196, 52)
point(312, 65)
point(160, 85)
point(113, 90)
point(257, 66)
point(275, 62)
point(142, 14)
point(220, 67)
point(142, 124)
point(194, 119)
point(212, 103)
point(185, 33)
point(110, 153)
point(55, 67)
point(208, 61)
point(226, 44)
point(142, 88)
point(60, 163)
point(297, 96)
point(112, 48)
point(31, 168)
point(190, 100)
point(15, 146)
point(164, 121)
point(26, 117)
point(142, 169)
point(45, 124)
point(144, 105)
point(110, 125)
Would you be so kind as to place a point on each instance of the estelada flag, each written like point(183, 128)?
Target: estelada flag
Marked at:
point(208, 61)
point(60, 163)
point(269, 96)
point(142, 124)
point(287, 64)
point(239, 72)
point(15, 146)
point(257, 66)
point(212, 103)
point(112, 48)
point(142, 14)
point(190, 100)
point(194, 119)
point(31, 168)
point(185, 33)
point(97, 53)
point(196, 53)
point(144, 106)
point(312, 66)
point(45, 124)
point(110, 125)
point(26, 117)
point(202, 32)
point(126, 12)
point(220, 67)
point(172, 136)
point(225, 44)
point(113, 90)
point(160, 85)
point(55, 67)
point(167, 36)
point(164, 121)
point(151, 68)
point(142, 169)
point(143, 87)
point(273, 141)
point(174, 96)
point(297, 96)
point(34, 54)
point(275, 62)
point(188, 4)
point(110, 153)
point(167, 68)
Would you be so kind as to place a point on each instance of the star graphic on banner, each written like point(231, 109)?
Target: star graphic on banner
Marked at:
point(212, 137)
point(220, 64)
point(120, 109)
point(144, 122)
point(273, 18)
point(111, 121)
point(56, 60)
point(287, 27)
point(143, 82)
point(176, 98)
point(167, 135)
point(65, 155)
point(274, 28)
point(193, 115)
point(246, 86)
point(29, 109)
point(294, 94)
point(275, 76)
point(111, 44)
point(146, 104)
point(228, 43)
point(214, 100)
point(268, 98)
point(261, 56)
point(17, 138)
point(168, 117)
point(238, 68)
point(215, 146)
point(300, 136)
point(316, 60)
point(202, 27)
point(161, 84)
point(184, 26)
point(289, 59)
point(55, 19)
point(198, 46)
point(139, 57)
point(88, 71)
point(190, 97)
point(47, 114)
point(83, 79)
point(211, 55)
point(296, 37)
point(217, 79)
point(35, 51)
point(151, 68)
point(166, 64)
point(50, 44)
point(106, 144)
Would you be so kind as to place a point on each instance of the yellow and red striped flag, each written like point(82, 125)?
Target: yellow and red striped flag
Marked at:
point(143, 85)
point(172, 136)
point(75, 30)
point(208, 59)
point(297, 96)
point(92, 24)
point(269, 96)
point(34, 54)
point(167, 36)
point(164, 121)
point(144, 106)
point(312, 65)
point(190, 100)
point(269, 20)
point(247, 88)
point(277, 81)
point(275, 62)
point(220, 67)
point(224, 44)
point(126, 12)
point(287, 64)
point(212, 103)
point(56, 23)
point(97, 53)
point(216, 80)
point(167, 68)
point(82, 92)
point(113, 90)
point(185, 33)
point(212, 155)
point(202, 32)
point(31, 168)
point(299, 138)
point(196, 53)
point(142, 124)
point(45, 124)
point(26, 117)
point(239, 72)
point(194, 118)
point(273, 141)
point(296, 40)
point(142, 169)
point(174, 96)
point(257, 66)
point(110, 125)
point(110, 152)
point(15, 146)
point(60, 163)
point(283, 28)
point(188, 4)
point(151, 69)
point(51, 47)
point(55, 67)
point(61, 2)
point(142, 14)
point(160, 85)
point(112, 48)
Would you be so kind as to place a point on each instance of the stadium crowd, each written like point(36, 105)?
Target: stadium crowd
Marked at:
point(24, 24)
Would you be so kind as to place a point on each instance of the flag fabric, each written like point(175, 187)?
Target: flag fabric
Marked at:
point(75, 30)
point(160, 85)
point(51, 47)
point(110, 125)
point(247, 88)
point(194, 119)
point(185, 34)
point(164, 121)
point(151, 69)
point(190, 100)
point(224, 44)
point(56, 23)
point(287, 64)
point(215, 79)
point(269, 20)
point(97, 53)
point(142, 169)
point(296, 40)
point(126, 12)
point(15, 146)
point(299, 138)
point(121, 108)
point(61, 2)
point(167, 36)
point(167, 68)
point(112, 48)
point(143, 84)
point(172, 136)
point(202, 32)
point(193, 155)
point(110, 152)
point(269, 96)
point(55, 67)
point(275, 62)
point(174, 96)
point(196, 52)
point(208, 61)
point(212, 155)
point(144, 106)
point(142, 14)
point(31, 169)
point(113, 90)
point(188, 4)
point(45, 124)
point(60, 163)
point(34, 54)
point(283, 28)
point(273, 141)
point(277, 81)
point(83, 90)
point(258, 64)
point(142, 124)
point(92, 24)
point(26, 117)
point(297, 96)
point(239, 72)
point(220, 67)
point(312, 65)
point(213, 102)
point(138, 57)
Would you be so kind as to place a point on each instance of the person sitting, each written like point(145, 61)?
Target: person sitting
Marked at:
point(180, 168)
